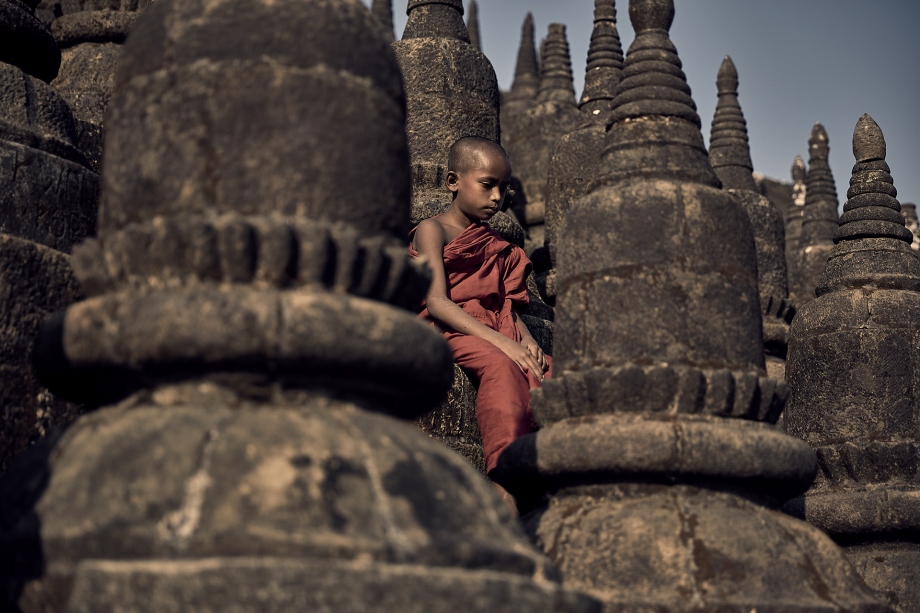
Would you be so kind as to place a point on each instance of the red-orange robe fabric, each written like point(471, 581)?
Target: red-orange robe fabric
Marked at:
point(486, 277)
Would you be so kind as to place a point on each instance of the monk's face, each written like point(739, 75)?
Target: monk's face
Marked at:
point(480, 190)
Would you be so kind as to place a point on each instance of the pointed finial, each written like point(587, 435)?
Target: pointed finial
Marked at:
point(727, 78)
point(798, 169)
point(556, 68)
point(472, 24)
point(527, 70)
point(436, 19)
point(730, 152)
point(605, 61)
point(868, 140)
point(383, 11)
point(817, 140)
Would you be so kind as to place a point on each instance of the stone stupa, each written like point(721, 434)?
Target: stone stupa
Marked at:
point(909, 211)
point(819, 215)
point(730, 156)
point(244, 342)
point(577, 155)
point(853, 371)
point(656, 475)
point(48, 195)
point(91, 34)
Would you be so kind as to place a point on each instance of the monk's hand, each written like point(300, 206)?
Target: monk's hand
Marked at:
point(520, 355)
point(534, 349)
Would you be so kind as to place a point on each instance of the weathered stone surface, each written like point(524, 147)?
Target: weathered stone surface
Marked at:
point(47, 204)
point(819, 214)
point(246, 347)
point(730, 155)
point(576, 157)
point(552, 114)
point(453, 422)
point(652, 480)
point(48, 192)
point(909, 211)
point(91, 33)
point(25, 41)
point(35, 281)
point(852, 371)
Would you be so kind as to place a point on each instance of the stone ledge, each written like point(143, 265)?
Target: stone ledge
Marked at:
point(662, 389)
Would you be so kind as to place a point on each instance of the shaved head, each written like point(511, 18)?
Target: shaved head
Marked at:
point(467, 152)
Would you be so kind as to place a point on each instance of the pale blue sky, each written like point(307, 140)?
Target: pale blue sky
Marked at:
point(799, 61)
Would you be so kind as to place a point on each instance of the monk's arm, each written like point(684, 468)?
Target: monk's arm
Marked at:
point(429, 241)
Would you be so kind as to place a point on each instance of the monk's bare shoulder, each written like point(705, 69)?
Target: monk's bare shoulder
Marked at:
point(431, 232)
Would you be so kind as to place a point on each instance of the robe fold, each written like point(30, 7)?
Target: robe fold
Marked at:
point(487, 278)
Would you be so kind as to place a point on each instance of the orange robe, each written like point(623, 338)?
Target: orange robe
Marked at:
point(486, 277)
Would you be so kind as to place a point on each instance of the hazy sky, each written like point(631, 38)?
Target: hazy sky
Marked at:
point(799, 61)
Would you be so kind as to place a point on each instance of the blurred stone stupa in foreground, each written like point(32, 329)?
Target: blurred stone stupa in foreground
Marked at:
point(853, 370)
point(656, 476)
point(245, 340)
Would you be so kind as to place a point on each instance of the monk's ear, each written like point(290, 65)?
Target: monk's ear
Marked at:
point(453, 181)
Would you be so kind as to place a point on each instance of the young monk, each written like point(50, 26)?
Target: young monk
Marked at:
point(478, 287)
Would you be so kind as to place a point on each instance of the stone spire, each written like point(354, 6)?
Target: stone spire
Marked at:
point(254, 340)
point(852, 373)
point(819, 213)
point(527, 69)
point(472, 24)
point(48, 199)
point(730, 155)
point(909, 211)
point(577, 155)
point(729, 150)
point(605, 60)
point(383, 11)
point(654, 459)
point(556, 68)
point(551, 115)
point(794, 226)
point(436, 19)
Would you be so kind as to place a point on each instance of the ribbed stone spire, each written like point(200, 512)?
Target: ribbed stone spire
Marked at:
point(605, 61)
point(819, 213)
point(435, 19)
point(655, 88)
point(871, 220)
point(383, 11)
point(852, 373)
point(729, 150)
point(472, 25)
point(527, 70)
point(556, 67)
point(794, 226)
point(653, 458)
